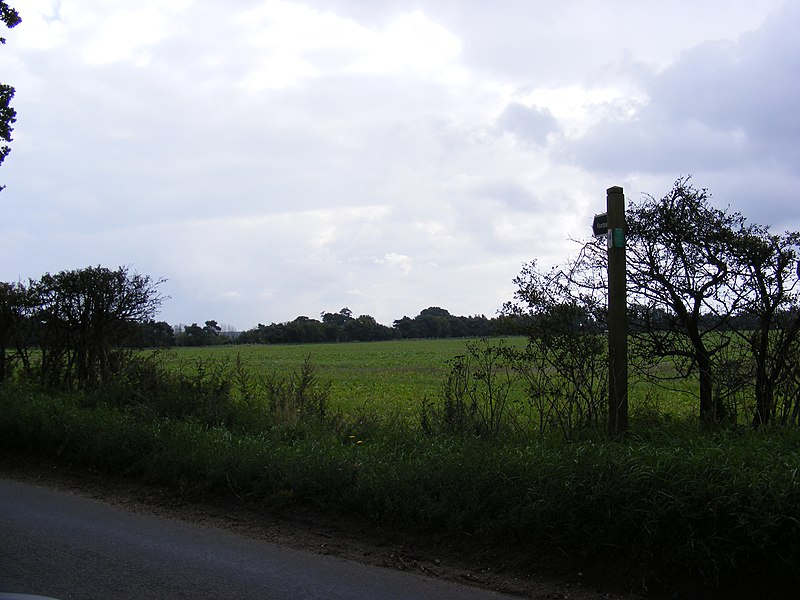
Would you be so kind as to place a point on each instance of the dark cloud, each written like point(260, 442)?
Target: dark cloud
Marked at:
point(749, 87)
point(529, 123)
point(720, 105)
point(653, 142)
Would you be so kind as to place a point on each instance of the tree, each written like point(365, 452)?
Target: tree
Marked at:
point(334, 324)
point(710, 295)
point(304, 330)
point(338, 319)
point(702, 279)
point(680, 252)
point(257, 335)
point(151, 334)
point(11, 316)
point(8, 115)
point(406, 328)
point(563, 313)
point(191, 335)
point(212, 328)
point(366, 329)
point(83, 315)
point(436, 322)
point(767, 278)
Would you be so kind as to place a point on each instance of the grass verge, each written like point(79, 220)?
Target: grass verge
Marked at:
point(659, 507)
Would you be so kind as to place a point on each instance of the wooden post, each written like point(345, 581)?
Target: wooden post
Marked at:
point(617, 314)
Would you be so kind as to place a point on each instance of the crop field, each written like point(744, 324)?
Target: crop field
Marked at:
point(392, 377)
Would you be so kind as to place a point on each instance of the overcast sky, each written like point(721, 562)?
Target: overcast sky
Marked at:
point(277, 158)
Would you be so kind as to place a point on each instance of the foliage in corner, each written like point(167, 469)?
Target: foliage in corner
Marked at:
point(8, 115)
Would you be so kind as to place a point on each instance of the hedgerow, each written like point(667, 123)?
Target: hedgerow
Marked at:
point(721, 507)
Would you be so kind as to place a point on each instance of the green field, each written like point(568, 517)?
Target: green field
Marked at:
point(392, 376)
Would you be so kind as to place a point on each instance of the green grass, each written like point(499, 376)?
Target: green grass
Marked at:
point(392, 376)
point(659, 508)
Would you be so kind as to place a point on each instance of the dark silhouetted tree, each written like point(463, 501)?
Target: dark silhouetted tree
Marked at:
point(78, 322)
point(8, 115)
point(679, 256)
point(710, 296)
point(12, 314)
point(767, 283)
point(151, 334)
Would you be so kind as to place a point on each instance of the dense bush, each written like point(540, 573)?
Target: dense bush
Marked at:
point(554, 384)
point(67, 330)
point(219, 393)
point(476, 397)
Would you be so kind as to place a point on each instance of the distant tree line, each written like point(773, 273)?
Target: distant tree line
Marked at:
point(342, 326)
point(73, 329)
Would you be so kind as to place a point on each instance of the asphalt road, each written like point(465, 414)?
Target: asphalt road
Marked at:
point(66, 546)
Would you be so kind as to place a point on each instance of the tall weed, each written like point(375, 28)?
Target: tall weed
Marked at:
point(476, 397)
point(219, 393)
point(495, 389)
point(297, 398)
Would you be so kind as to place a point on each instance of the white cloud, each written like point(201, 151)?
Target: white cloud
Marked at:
point(126, 35)
point(398, 261)
point(279, 157)
point(415, 44)
point(292, 43)
point(43, 29)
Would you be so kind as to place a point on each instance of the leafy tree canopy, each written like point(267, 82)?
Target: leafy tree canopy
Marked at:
point(8, 115)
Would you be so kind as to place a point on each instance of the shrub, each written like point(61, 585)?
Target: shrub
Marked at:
point(218, 393)
point(476, 396)
point(298, 398)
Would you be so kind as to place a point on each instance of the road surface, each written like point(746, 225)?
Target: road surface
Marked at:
point(58, 544)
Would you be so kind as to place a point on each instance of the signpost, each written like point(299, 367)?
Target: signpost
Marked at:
point(600, 225)
point(612, 224)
